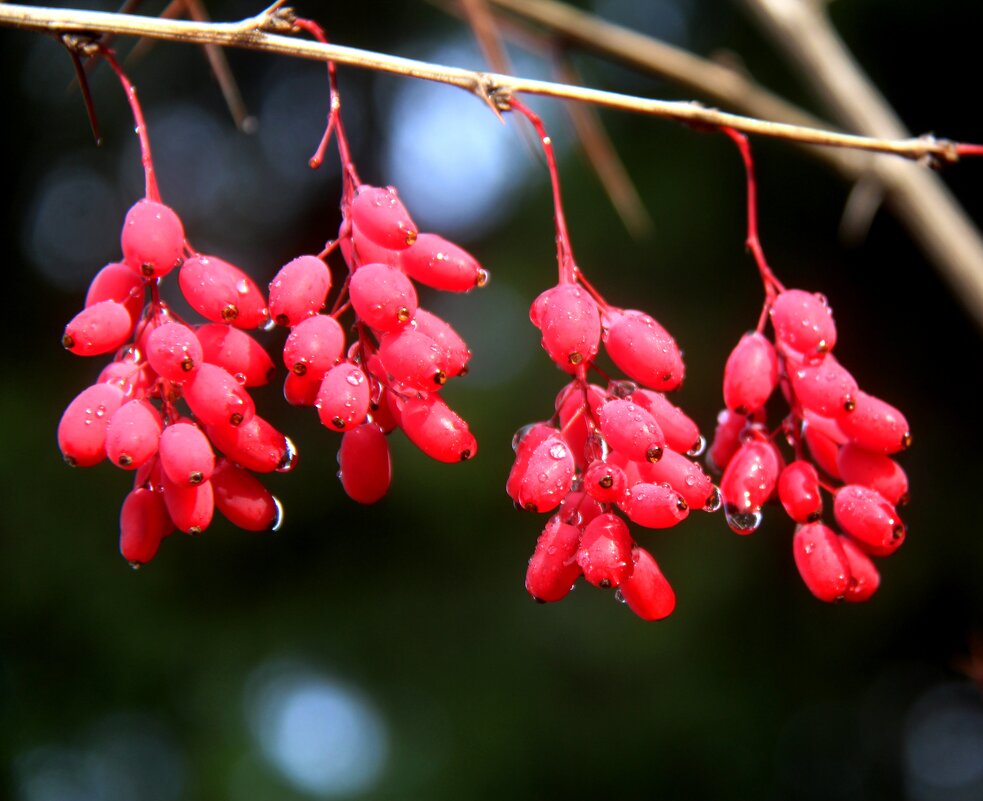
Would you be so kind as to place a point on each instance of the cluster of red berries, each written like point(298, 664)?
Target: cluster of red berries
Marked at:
point(174, 393)
point(831, 424)
point(401, 354)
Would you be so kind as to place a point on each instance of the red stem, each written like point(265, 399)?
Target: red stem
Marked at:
point(753, 242)
point(564, 253)
point(969, 150)
point(152, 192)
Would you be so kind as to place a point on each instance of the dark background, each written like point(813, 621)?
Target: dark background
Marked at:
point(391, 652)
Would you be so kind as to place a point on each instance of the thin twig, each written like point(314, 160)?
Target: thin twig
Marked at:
point(493, 87)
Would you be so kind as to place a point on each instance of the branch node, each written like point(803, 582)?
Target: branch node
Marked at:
point(82, 44)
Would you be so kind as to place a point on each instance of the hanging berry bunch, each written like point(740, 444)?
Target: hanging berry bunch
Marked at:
point(173, 392)
point(842, 438)
point(400, 355)
point(610, 452)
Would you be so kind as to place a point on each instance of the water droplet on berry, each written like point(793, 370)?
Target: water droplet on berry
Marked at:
point(520, 435)
point(714, 502)
point(619, 597)
point(268, 325)
point(558, 451)
point(289, 460)
point(355, 378)
point(742, 522)
point(622, 389)
point(278, 519)
point(698, 447)
point(135, 565)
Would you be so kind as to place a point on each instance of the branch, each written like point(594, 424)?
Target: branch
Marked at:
point(493, 88)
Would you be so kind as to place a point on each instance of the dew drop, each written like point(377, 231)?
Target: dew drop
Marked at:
point(690, 480)
point(268, 325)
point(520, 435)
point(289, 460)
point(714, 502)
point(355, 377)
point(698, 447)
point(742, 522)
point(809, 547)
point(135, 565)
point(241, 378)
point(622, 389)
point(278, 519)
point(619, 596)
point(242, 287)
point(558, 451)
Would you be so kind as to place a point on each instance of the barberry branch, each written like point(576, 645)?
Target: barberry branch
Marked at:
point(495, 88)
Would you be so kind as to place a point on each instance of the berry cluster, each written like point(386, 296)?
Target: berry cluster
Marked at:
point(173, 393)
point(620, 448)
point(401, 354)
point(830, 424)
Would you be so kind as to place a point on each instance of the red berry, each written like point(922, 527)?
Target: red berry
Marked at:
point(100, 328)
point(605, 551)
point(301, 390)
point(378, 214)
point(803, 323)
point(209, 286)
point(243, 500)
point(798, 490)
point(343, 398)
point(236, 352)
point(454, 350)
point(825, 388)
point(726, 439)
point(606, 482)
point(314, 346)
point(553, 567)
point(541, 481)
point(186, 455)
point(654, 505)
point(570, 323)
point(365, 464)
point(864, 578)
point(437, 430)
point(216, 398)
point(875, 425)
point(116, 281)
point(630, 429)
point(821, 561)
point(751, 374)
point(255, 445)
point(748, 482)
point(133, 434)
point(822, 448)
point(82, 428)
point(644, 350)
point(414, 360)
point(440, 264)
point(382, 296)
point(152, 239)
point(682, 434)
point(646, 591)
point(869, 518)
point(174, 352)
point(874, 470)
point(190, 507)
point(684, 476)
point(143, 523)
point(299, 290)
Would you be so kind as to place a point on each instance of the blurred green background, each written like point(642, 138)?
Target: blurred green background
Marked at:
point(391, 652)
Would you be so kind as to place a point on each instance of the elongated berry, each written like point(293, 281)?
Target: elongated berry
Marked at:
point(116, 281)
point(243, 500)
point(605, 481)
point(414, 360)
point(875, 425)
point(821, 562)
point(382, 296)
point(524, 443)
point(682, 474)
point(299, 290)
point(133, 434)
point(803, 323)
point(440, 264)
point(825, 387)
point(726, 439)
point(455, 352)
point(343, 398)
point(748, 482)
point(864, 578)
point(250, 300)
point(236, 352)
point(553, 567)
point(190, 506)
point(751, 374)
point(542, 481)
point(365, 466)
point(186, 455)
point(579, 508)
point(644, 350)
point(437, 430)
point(869, 518)
point(646, 591)
point(301, 390)
point(570, 323)
point(143, 523)
point(874, 470)
point(822, 448)
point(174, 352)
point(216, 398)
point(152, 239)
point(255, 445)
point(82, 428)
point(605, 551)
point(314, 346)
point(100, 328)
point(629, 428)
point(682, 434)
point(378, 213)
point(209, 286)
point(575, 405)
point(654, 505)
point(798, 490)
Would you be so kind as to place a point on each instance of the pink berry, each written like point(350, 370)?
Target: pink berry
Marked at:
point(133, 434)
point(682, 434)
point(748, 482)
point(216, 398)
point(243, 499)
point(365, 251)
point(143, 523)
point(209, 286)
point(134, 379)
point(455, 352)
point(654, 505)
point(644, 350)
point(751, 374)
point(299, 290)
point(874, 470)
point(540, 482)
point(190, 507)
point(726, 439)
point(606, 482)
point(864, 578)
point(314, 346)
point(875, 425)
point(82, 428)
point(152, 239)
point(343, 398)
point(378, 214)
point(570, 323)
point(100, 328)
point(825, 387)
point(365, 464)
point(237, 353)
point(798, 490)
point(579, 508)
point(116, 281)
point(630, 429)
point(821, 561)
point(803, 323)
point(414, 360)
point(553, 566)
point(646, 591)
point(869, 518)
point(685, 476)
point(301, 390)
point(174, 352)
point(605, 551)
point(382, 296)
point(437, 430)
point(440, 264)
point(255, 445)
point(186, 455)
point(823, 449)
point(572, 404)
